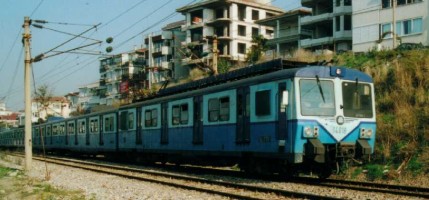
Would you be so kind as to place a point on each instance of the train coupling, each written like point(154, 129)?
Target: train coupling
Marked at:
point(315, 150)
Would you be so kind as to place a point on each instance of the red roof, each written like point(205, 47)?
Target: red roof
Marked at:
point(10, 117)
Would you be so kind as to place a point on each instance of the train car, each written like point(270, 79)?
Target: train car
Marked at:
point(304, 117)
point(276, 117)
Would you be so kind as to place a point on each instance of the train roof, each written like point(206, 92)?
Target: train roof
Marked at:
point(259, 73)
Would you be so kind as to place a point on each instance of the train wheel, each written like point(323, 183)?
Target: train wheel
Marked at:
point(324, 172)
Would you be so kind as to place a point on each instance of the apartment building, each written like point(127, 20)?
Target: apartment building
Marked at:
point(288, 32)
point(55, 106)
point(373, 25)
point(88, 97)
point(330, 25)
point(163, 55)
point(232, 21)
point(118, 73)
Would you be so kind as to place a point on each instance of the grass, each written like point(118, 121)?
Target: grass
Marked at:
point(25, 188)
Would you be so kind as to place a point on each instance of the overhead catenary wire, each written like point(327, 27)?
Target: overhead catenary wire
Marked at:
point(124, 42)
point(15, 73)
point(101, 26)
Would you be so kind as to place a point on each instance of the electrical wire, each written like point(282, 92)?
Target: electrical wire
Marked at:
point(37, 7)
point(10, 50)
point(16, 71)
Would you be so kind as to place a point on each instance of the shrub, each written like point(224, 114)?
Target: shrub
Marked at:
point(374, 172)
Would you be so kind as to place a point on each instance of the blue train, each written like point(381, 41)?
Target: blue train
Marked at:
point(277, 117)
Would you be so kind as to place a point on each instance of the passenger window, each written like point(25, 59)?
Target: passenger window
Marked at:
point(154, 118)
point(151, 118)
point(180, 114)
point(55, 130)
point(219, 109)
point(123, 121)
point(224, 109)
point(148, 118)
point(176, 115)
point(262, 103)
point(71, 129)
point(108, 124)
point(81, 127)
point(131, 120)
point(48, 131)
point(213, 110)
point(93, 126)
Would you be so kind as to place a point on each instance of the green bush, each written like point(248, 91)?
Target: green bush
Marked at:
point(374, 172)
point(415, 166)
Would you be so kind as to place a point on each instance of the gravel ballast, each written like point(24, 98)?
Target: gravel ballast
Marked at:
point(101, 186)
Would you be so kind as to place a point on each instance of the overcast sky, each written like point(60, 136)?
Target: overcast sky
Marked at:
point(127, 21)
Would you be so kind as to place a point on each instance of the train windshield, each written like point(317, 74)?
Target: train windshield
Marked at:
point(317, 97)
point(357, 100)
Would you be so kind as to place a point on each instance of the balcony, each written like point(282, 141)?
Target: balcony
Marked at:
point(166, 50)
point(219, 21)
point(316, 18)
point(316, 42)
point(166, 65)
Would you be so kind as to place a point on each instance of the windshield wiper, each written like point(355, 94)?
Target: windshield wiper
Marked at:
point(320, 88)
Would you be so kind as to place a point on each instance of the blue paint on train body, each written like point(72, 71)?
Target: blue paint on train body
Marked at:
point(234, 119)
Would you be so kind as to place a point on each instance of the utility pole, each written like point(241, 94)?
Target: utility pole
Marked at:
point(215, 55)
point(215, 52)
point(27, 85)
point(394, 23)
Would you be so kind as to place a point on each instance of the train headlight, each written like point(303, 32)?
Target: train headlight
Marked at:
point(311, 132)
point(366, 133)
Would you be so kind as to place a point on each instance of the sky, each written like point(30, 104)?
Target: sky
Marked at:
point(128, 22)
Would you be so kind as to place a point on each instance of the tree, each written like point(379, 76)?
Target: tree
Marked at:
point(43, 98)
point(256, 51)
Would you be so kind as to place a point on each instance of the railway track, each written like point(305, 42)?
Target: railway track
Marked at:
point(402, 190)
point(220, 188)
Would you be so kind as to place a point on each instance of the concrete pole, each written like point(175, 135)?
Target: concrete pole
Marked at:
point(215, 55)
point(394, 23)
point(27, 85)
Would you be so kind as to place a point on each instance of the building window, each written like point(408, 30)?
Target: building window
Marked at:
point(337, 3)
point(241, 48)
point(347, 22)
point(241, 30)
point(385, 28)
point(386, 3)
point(255, 32)
point(347, 2)
point(241, 12)
point(407, 27)
point(337, 23)
point(255, 14)
point(389, 3)
point(270, 33)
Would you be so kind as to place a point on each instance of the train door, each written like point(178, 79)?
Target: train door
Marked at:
point(282, 119)
point(164, 123)
point(198, 120)
point(243, 115)
point(87, 139)
point(139, 126)
point(67, 133)
point(101, 121)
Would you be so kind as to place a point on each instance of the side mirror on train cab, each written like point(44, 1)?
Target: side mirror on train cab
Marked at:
point(285, 98)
